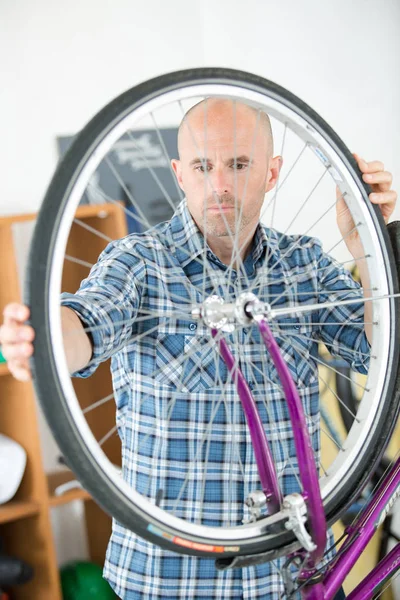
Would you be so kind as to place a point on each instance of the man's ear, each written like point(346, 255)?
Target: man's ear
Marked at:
point(177, 168)
point(275, 166)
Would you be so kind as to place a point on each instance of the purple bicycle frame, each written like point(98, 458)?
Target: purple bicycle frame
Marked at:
point(360, 534)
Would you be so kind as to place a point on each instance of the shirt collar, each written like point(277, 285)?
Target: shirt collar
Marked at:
point(186, 240)
point(264, 237)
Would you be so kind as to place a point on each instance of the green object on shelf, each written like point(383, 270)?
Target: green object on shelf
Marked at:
point(83, 580)
point(2, 359)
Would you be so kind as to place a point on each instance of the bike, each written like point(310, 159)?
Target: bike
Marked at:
point(283, 498)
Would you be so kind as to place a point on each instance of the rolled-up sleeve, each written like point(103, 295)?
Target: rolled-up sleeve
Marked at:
point(342, 326)
point(107, 302)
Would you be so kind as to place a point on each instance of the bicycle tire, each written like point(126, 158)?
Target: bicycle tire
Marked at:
point(47, 381)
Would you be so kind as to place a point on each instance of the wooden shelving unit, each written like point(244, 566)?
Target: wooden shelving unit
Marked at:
point(17, 509)
point(3, 369)
point(58, 478)
point(25, 524)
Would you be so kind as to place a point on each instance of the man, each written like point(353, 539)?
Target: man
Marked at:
point(224, 174)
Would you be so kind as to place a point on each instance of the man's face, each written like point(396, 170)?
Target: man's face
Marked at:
point(225, 166)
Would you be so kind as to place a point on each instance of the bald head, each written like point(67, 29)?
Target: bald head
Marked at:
point(212, 112)
point(225, 168)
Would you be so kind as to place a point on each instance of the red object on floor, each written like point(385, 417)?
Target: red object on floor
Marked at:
point(4, 596)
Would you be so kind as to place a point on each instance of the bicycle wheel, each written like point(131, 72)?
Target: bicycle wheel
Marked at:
point(186, 394)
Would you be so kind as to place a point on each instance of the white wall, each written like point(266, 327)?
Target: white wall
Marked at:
point(62, 61)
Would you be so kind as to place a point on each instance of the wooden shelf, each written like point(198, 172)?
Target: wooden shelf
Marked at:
point(59, 478)
point(17, 509)
point(25, 522)
point(4, 369)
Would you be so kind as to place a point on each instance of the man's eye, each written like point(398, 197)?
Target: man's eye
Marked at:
point(240, 166)
point(202, 168)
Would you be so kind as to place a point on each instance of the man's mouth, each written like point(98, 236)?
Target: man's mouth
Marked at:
point(220, 208)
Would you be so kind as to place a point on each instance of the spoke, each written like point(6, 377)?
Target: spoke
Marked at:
point(208, 429)
point(143, 220)
point(303, 205)
point(277, 183)
point(121, 346)
point(318, 306)
point(345, 262)
point(205, 182)
point(321, 466)
point(99, 403)
point(150, 229)
point(278, 187)
point(302, 353)
point(215, 196)
point(301, 350)
point(319, 293)
point(329, 323)
point(293, 166)
point(153, 174)
point(328, 435)
point(99, 234)
point(237, 250)
point(127, 322)
point(269, 247)
point(171, 295)
point(108, 435)
point(175, 393)
point(184, 357)
point(205, 470)
point(282, 447)
point(339, 399)
point(299, 241)
point(287, 459)
point(301, 567)
point(178, 298)
point(235, 256)
point(231, 424)
point(166, 154)
point(172, 402)
point(375, 488)
point(78, 261)
point(233, 405)
point(289, 334)
point(274, 563)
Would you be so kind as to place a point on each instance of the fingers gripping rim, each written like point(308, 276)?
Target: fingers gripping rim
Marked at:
point(47, 379)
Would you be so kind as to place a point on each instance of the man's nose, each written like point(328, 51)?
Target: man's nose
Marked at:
point(220, 182)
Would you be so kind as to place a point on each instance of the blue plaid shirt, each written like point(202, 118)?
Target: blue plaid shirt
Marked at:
point(167, 378)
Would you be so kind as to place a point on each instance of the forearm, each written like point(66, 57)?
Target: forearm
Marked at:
point(77, 344)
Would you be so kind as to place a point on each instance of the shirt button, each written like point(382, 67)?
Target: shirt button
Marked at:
point(192, 326)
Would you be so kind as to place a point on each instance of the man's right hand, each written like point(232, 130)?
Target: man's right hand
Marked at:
point(16, 340)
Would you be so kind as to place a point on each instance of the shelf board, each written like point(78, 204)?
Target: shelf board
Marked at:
point(59, 478)
point(4, 369)
point(17, 509)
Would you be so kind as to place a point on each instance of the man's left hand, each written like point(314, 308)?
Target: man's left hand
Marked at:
point(380, 181)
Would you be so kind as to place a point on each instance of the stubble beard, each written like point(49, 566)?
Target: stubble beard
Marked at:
point(219, 223)
point(226, 224)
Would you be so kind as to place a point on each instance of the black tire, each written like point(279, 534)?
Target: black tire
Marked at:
point(46, 378)
point(344, 387)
